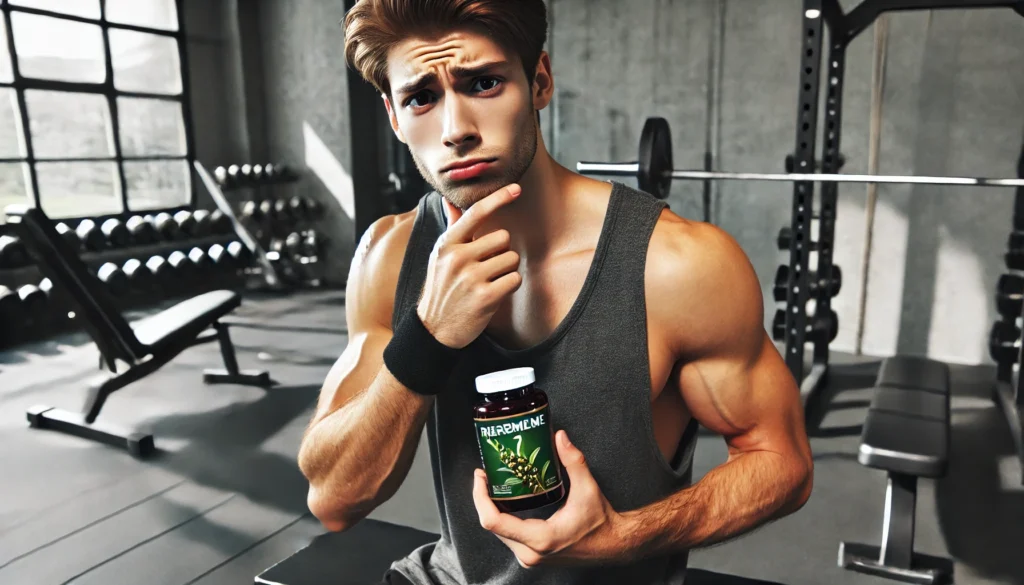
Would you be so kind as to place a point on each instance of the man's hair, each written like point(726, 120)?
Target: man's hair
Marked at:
point(372, 27)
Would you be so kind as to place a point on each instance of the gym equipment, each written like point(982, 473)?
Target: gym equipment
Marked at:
point(167, 227)
point(293, 243)
point(906, 434)
point(141, 347)
point(117, 233)
point(240, 253)
point(203, 266)
point(234, 174)
point(184, 270)
point(186, 223)
point(34, 305)
point(1015, 251)
point(11, 314)
point(820, 327)
point(203, 227)
point(142, 231)
point(247, 173)
point(111, 275)
point(1009, 294)
point(1004, 342)
point(266, 210)
point(12, 253)
point(833, 284)
point(220, 223)
point(270, 170)
point(297, 207)
point(282, 213)
point(91, 236)
point(222, 174)
point(163, 273)
point(252, 212)
point(224, 263)
point(313, 208)
point(654, 172)
point(140, 278)
point(70, 236)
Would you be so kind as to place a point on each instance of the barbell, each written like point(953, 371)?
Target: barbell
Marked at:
point(654, 170)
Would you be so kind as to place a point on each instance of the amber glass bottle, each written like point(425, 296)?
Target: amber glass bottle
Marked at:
point(513, 430)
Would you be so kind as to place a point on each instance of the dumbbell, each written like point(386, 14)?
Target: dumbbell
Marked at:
point(143, 231)
point(282, 213)
point(11, 313)
point(12, 253)
point(203, 225)
point(90, 235)
point(186, 223)
point(166, 227)
point(1004, 342)
point(185, 272)
point(34, 304)
point(241, 254)
point(817, 282)
point(70, 236)
point(203, 265)
point(293, 244)
point(311, 244)
point(140, 278)
point(116, 232)
point(251, 211)
point(297, 207)
point(1009, 295)
point(111, 275)
point(817, 326)
point(313, 208)
point(786, 236)
point(221, 174)
point(234, 174)
point(247, 175)
point(163, 272)
point(266, 210)
point(270, 171)
point(56, 300)
point(224, 263)
point(258, 172)
point(220, 223)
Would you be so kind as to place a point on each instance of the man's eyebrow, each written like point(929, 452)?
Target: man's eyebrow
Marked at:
point(461, 72)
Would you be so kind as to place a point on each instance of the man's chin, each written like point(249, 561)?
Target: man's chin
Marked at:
point(466, 193)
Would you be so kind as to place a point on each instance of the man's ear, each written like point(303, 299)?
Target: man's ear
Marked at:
point(543, 83)
point(393, 118)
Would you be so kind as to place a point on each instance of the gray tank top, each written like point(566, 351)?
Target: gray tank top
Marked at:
point(595, 369)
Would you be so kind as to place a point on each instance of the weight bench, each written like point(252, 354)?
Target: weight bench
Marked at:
point(362, 554)
point(131, 351)
point(906, 433)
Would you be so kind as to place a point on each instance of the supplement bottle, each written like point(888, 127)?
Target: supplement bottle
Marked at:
point(513, 430)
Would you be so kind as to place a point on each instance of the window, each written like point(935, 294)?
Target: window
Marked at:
point(93, 108)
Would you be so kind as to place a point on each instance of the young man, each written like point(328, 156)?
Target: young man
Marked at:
point(640, 325)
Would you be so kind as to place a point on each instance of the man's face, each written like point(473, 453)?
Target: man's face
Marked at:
point(462, 105)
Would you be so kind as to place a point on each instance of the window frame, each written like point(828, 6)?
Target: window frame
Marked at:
point(106, 89)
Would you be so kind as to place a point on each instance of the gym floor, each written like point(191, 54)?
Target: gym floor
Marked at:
point(223, 499)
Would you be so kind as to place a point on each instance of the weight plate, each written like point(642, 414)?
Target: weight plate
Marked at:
point(654, 174)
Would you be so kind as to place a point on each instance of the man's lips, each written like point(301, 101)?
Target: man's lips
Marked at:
point(467, 169)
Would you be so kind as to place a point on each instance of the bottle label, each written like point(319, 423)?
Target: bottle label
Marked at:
point(518, 455)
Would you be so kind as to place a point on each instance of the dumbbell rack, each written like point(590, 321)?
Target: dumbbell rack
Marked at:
point(1006, 340)
point(46, 308)
point(276, 268)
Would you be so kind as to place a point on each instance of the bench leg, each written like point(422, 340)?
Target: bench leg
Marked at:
point(895, 558)
point(231, 374)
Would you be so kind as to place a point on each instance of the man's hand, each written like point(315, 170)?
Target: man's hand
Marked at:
point(586, 529)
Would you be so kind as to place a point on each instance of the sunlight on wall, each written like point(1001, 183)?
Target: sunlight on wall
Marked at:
point(961, 305)
point(885, 280)
point(326, 167)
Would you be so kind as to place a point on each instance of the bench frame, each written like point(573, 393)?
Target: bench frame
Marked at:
point(895, 557)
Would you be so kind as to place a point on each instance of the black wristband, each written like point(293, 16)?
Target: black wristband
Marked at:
point(417, 359)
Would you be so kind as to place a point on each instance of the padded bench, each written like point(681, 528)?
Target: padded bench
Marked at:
point(130, 350)
point(906, 433)
point(362, 554)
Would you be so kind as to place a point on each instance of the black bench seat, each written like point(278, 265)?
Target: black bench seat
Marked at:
point(906, 433)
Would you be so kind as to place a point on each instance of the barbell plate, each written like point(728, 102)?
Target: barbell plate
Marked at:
point(655, 166)
point(631, 170)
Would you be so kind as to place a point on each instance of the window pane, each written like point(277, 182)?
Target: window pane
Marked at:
point(6, 74)
point(68, 124)
point(13, 179)
point(157, 183)
point(150, 127)
point(78, 189)
point(160, 14)
point(54, 48)
point(85, 8)
point(11, 145)
point(145, 62)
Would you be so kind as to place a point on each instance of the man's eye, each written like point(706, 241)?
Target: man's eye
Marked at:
point(422, 97)
point(485, 84)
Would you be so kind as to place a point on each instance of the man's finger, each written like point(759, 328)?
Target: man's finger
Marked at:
point(469, 222)
point(575, 465)
point(535, 534)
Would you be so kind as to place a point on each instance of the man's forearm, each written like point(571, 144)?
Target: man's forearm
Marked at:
point(734, 498)
point(365, 447)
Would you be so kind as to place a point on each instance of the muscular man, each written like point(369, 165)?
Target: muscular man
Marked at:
point(640, 325)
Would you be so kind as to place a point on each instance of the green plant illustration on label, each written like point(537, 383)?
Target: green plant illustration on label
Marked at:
point(517, 455)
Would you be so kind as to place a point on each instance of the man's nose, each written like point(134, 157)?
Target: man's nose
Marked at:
point(459, 127)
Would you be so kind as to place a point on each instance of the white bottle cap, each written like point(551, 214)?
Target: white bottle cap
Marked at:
point(505, 380)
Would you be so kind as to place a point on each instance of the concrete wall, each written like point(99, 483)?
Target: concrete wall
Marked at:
point(953, 106)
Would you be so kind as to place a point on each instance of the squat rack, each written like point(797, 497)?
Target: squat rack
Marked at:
point(843, 28)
